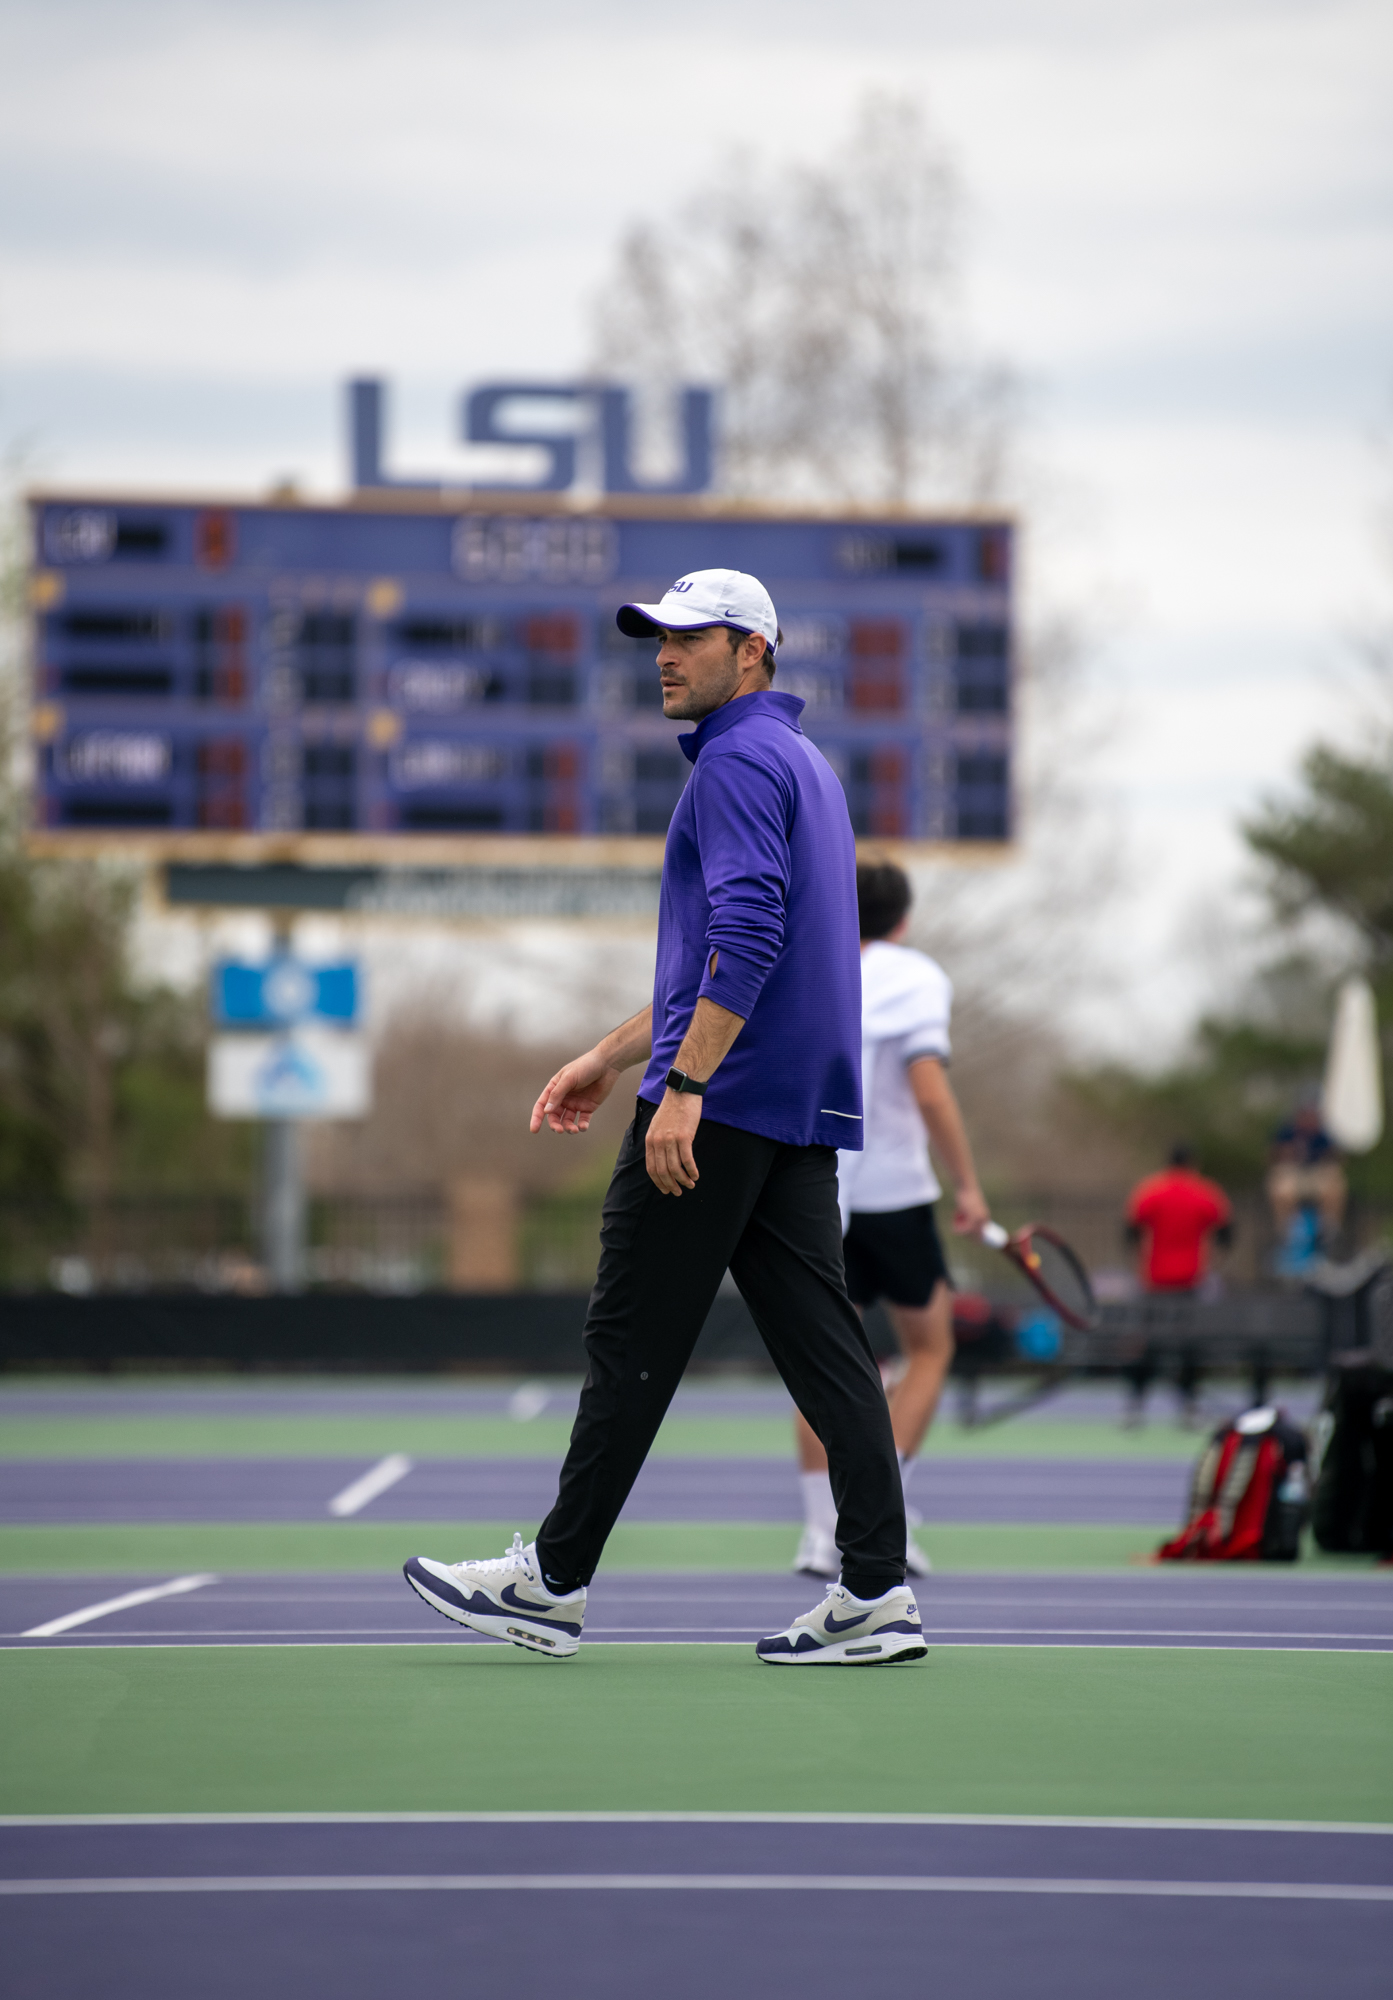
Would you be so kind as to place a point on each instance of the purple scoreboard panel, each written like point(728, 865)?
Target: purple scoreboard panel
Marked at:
point(454, 668)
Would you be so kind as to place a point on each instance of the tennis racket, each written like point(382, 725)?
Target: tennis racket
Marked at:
point(1045, 1259)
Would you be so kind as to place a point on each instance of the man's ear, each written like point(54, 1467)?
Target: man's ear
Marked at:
point(764, 657)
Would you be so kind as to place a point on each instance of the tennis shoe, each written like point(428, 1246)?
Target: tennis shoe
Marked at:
point(847, 1631)
point(504, 1599)
point(818, 1554)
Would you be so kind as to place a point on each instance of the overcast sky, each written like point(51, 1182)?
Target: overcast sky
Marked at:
point(1180, 231)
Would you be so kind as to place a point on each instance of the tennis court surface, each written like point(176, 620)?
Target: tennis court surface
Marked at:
point(240, 1754)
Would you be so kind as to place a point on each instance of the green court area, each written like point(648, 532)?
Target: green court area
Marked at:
point(360, 1722)
point(107, 1548)
point(1165, 1732)
point(374, 1433)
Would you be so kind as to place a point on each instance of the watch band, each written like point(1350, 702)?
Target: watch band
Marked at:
point(678, 1079)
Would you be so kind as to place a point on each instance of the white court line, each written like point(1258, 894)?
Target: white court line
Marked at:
point(1123, 1633)
point(374, 1482)
point(167, 1642)
point(132, 1597)
point(738, 1635)
point(939, 1885)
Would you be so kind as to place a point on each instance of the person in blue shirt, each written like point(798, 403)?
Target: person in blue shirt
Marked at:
point(1305, 1169)
point(752, 1081)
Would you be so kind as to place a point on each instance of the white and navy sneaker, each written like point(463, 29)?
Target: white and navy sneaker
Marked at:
point(818, 1554)
point(505, 1599)
point(847, 1631)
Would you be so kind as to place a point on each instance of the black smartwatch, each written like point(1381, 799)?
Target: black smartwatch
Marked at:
point(678, 1079)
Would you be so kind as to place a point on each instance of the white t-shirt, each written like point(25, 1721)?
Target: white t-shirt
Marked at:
point(906, 1001)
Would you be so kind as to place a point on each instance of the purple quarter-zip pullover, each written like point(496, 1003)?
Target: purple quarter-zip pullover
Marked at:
point(760, 873)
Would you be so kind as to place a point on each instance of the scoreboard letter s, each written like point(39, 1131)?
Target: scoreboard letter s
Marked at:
point(481, 426)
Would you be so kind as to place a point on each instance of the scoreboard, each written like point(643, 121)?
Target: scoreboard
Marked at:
point(451, 666)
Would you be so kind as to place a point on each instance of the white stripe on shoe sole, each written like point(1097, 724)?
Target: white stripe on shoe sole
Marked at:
point(932, 1885)
point(177, 1588)
point(373, 1483)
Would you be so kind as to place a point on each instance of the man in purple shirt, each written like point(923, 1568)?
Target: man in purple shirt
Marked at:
point(752, 1048)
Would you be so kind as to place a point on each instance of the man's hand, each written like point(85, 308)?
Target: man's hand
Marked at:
point(710, 1033)
point(970, 1211)
point(671, 1166)
point(574, 1094)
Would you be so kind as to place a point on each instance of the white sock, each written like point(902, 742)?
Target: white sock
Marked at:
point(819, 1508)
point(907, 1465)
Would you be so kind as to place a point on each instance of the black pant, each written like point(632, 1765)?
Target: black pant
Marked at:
point(769, 1213)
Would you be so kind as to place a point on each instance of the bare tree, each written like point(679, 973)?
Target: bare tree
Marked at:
point(821, 300)
point(451, 1101)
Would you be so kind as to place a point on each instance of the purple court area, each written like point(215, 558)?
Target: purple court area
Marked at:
point(1267, 1610)
point(1067, 1912)
point(1106, 1491)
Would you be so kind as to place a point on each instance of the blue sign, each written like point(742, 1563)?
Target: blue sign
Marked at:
point(282, 992)
point(445, 665)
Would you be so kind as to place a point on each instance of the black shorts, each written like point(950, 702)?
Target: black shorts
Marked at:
point(895, 1256)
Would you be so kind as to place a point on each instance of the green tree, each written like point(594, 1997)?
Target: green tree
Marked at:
point(1327, 855)
point(1331, 849)
point(1237, 1079)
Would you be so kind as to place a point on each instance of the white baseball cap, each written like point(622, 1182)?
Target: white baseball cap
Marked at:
point(705, 597)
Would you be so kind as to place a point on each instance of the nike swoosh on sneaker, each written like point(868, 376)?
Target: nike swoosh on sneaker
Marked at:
point(509, 1596)
point(844, 1624)
point(486, 1607)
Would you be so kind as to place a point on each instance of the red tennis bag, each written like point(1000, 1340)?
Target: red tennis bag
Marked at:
point(1249, 1495)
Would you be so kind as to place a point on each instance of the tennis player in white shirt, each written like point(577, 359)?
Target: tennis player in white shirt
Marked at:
point(890, 1241)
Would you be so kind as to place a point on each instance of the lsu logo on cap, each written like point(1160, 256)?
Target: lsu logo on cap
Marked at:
point(682, 583)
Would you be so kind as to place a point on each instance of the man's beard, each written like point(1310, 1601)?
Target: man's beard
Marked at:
point(696, 707)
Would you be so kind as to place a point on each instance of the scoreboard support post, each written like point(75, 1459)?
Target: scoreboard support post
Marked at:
point(282, 1181)
point(282, 1205)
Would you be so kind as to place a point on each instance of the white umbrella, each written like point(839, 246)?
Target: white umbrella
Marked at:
point(1352, 1101)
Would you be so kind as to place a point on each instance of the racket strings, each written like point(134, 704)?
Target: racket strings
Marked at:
point(1058, 1272)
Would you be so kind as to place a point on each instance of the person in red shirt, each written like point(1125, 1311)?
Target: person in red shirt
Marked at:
point(1172, 1216)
